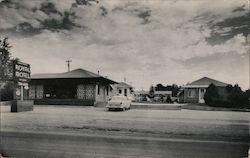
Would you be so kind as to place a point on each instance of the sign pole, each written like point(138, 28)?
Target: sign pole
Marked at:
point(21, 92)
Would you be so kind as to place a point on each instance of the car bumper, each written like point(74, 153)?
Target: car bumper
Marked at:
point(114, 106)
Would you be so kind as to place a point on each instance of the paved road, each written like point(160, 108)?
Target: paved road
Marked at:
point(28, 145)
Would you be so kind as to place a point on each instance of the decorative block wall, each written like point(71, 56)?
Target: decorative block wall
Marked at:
point(90, 92)
point(86, 92)
point(81, 92)
point(32, 92)
point(39, 92)
point(36, 92)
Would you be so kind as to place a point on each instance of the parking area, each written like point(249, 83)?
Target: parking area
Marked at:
point(167, 123)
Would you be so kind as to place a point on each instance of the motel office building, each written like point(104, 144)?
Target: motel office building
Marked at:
point(76, 87)
point(194, 92)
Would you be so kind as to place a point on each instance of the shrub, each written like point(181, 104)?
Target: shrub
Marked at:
point(236, 97)
point(233, 98)
point(151, 92)
point(7, 92)
point(169, 99)
point(246, 96)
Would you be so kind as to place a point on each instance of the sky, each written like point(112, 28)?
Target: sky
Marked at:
point(145, 42)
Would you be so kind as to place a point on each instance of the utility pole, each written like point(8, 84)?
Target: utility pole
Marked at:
point(248, 41)
point(68, 61)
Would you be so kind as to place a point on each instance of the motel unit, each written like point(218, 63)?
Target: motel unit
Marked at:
point(76, 87)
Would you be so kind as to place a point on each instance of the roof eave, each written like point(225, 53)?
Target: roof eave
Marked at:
point(86, 78)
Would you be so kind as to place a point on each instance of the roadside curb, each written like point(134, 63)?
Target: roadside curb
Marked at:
point(206, 108)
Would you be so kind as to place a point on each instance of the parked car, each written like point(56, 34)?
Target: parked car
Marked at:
point(119, 102)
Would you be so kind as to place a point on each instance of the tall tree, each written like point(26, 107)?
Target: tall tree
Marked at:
point(4, 61)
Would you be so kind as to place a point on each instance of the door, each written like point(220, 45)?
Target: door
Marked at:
point(201, 95)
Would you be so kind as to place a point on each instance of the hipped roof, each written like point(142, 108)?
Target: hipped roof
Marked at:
point(123, 85)
point(74, 74)
point(205, 81)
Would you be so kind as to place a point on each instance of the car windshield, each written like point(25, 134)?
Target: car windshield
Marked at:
point(117, 99)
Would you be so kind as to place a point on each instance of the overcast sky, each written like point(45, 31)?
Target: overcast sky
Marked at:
point(146, 41)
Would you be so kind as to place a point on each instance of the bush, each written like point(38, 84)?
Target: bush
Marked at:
point(7, 92)
point(233, 98)
point(236, 97)
point(246, 96)
point(169, 99)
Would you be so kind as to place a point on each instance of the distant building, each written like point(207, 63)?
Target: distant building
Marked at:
point(124, 89)
point(194, 92)
point(141, 96)
point(163, 91)
point(76, 87)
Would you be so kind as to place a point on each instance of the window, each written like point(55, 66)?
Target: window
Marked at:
point(107, 90)
point(120, 91)
point(191, 93)
point(125, 92)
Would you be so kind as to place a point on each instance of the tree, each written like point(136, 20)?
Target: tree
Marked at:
point(175, 90)
point(151, 91)
point(246, 95)
point(229, 88)
point(169, 100)
point(236, 97)
point(7, 91)
point(4, 62)
point(211, 95)
point(159, 87)
point(233, 98)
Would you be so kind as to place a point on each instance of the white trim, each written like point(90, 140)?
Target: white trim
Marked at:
point(163, 92)
point(201, 99)
point(195, 86)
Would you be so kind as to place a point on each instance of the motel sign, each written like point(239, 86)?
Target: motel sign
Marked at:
point(21, 72)
point(21, 76)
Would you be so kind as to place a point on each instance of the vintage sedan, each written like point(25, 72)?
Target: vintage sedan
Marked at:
point(119, 102)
